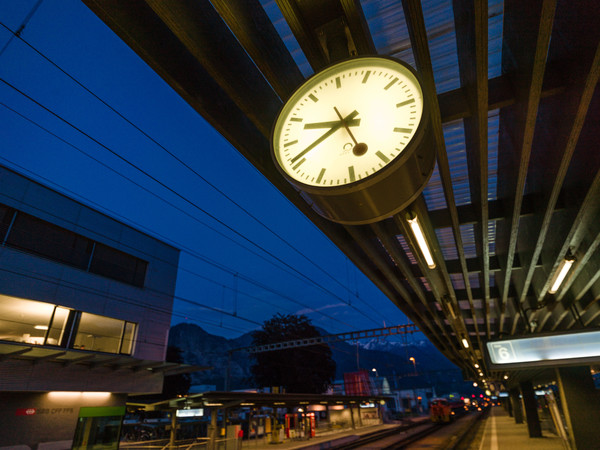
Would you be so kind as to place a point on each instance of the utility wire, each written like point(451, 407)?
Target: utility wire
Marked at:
point(162, 184)
point(204, 259)
point(22, 27)
point(203, 277)
point(120, 298)
point(180, 161)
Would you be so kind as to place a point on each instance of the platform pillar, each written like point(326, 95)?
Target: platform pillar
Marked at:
point(173, 434)
point(531, 412)
point(515, 402)
point(581, 405)
point(212, 430)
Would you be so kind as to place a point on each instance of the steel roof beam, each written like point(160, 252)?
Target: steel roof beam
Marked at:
point(255, 31)
point(527, 28)
point(418, 36)
point(555, 148)
point(364, 237)
point(435, 277)
point(471, 18)
point(386, 232)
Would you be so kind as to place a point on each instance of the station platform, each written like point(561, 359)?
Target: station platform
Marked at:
point(499, 431)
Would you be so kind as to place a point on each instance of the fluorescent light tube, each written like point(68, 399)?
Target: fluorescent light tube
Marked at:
point(563, 269)
point(418, 233)
point(465, 343)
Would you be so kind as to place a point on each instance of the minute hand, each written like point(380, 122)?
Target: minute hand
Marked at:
point(332, 130)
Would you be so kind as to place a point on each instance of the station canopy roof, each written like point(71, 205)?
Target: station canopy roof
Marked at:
point(516, 187)
point(218, 399)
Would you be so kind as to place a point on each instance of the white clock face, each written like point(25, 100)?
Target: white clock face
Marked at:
point(348, 122)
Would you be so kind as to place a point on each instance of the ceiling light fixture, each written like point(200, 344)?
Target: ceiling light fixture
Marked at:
point(465, 343)
point(420, 237)
point(563, 269)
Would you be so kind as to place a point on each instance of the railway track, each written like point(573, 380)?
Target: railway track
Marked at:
point(403, 436)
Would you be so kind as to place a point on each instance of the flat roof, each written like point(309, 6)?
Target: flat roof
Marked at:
point(255, 399)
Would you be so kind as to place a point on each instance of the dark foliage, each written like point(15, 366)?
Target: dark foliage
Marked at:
point(175, 385)
point(298, 370)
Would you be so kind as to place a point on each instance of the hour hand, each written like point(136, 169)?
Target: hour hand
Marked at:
point(330, 124)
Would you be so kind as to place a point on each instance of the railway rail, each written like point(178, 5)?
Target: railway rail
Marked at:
point(405, 435)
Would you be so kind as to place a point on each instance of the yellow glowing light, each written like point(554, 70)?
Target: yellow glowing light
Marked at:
point(420, 237)
point(77, 394)
point(563, 269)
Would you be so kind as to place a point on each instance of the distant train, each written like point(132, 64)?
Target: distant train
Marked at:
point(442, 410)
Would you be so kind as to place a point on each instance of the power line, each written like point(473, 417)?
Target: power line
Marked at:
point(306, 278)
point(180, 161)
point(22, 27)
point(121, 298)
point(204, 259)
point(157, 196)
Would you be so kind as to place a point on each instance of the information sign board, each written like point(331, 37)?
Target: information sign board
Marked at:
point(554, 350)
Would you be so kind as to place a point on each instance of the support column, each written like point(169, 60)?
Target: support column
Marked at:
point(581, 405)
point(530, 403)
point(212, 430)
point(515, 402)
point(352, 417)
point(173, 435)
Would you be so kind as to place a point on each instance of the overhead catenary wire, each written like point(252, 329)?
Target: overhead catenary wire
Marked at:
point(17, 33)
point(206, 260)
point(126, 300)
point(152, 193)
point(203, 277)
point(187, 166)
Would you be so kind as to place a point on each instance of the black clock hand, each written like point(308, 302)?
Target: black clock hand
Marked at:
point(333, 129)
point(314, 125)
point(360, 148)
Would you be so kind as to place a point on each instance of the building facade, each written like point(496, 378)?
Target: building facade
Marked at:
point(85, 311)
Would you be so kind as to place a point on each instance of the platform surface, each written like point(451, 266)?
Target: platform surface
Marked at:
point(500, 432)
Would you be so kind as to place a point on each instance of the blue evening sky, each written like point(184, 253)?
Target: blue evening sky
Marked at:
point(246, 252)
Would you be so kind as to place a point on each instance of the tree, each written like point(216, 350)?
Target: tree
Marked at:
point(174, 385)
point(307, 370)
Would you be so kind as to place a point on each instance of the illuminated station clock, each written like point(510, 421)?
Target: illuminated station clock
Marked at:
point(354, 139)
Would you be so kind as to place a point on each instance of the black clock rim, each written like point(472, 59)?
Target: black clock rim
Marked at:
point(386, 171)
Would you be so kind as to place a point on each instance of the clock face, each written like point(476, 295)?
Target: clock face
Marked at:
point(348, 122)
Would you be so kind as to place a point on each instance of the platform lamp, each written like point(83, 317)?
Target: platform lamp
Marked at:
point(419, 235)
point(561, 273)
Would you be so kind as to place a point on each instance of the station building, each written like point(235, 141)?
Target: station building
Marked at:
point(85, 310)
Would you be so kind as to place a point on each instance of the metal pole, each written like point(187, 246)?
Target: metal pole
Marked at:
point(228, 372)
point(212, 431)
point(173, 428)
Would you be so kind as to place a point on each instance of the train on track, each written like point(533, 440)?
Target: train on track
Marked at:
point(443, 410)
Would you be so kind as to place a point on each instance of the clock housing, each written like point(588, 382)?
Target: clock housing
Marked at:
point(354, 139)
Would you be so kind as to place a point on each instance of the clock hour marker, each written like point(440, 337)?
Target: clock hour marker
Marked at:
point(299, 163)
point(384, 158)
point(390, 84)
point(296, 119)
point(366, 77)
point(338, 82)
point(287, 144)
point(313, 98)
point(320, 177)
point(402, 130)
point(351, 173)
point(404, 103)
